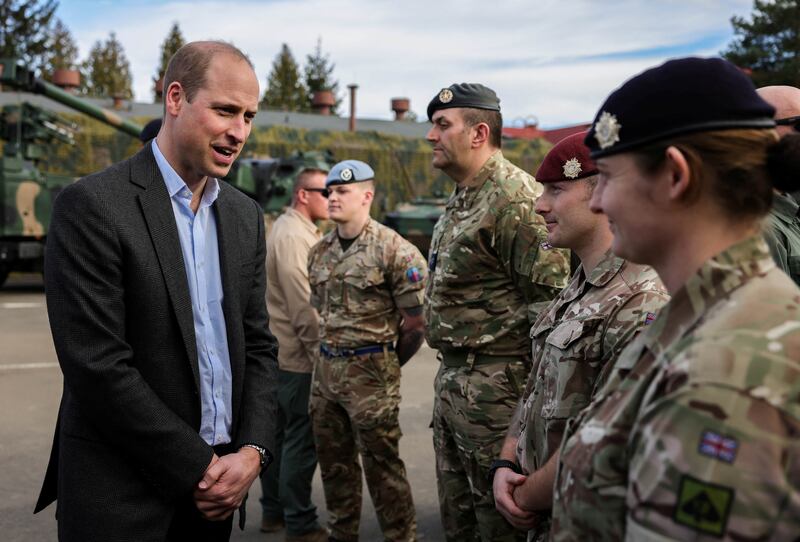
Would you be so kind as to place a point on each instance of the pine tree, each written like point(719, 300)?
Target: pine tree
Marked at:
point(107, 70)
point(769, 44)
point(169, 47)
point(25, 29)
point(285, 90)
point(319, 76)
point(62, 52)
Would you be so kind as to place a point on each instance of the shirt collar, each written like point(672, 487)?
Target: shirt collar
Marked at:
point(175, 185)
point(464, 196)
point(712, 283)
point(308, 224)
point(605, 270)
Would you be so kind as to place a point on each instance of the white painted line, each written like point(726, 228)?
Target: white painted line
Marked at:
point(26, 366)
point(21, 305)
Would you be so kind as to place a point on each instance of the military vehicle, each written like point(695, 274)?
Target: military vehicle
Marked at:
point(269, 180)
point(415, 220)
point(27, 193)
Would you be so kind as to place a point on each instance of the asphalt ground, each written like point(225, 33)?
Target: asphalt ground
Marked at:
point(30, 390)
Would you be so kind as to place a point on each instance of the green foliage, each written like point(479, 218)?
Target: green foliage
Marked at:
point(107, 70)
point(285, 91)
point(768, 44)
point(318, 73)
point(25, 29)
point(169, 47)
point(62, 52)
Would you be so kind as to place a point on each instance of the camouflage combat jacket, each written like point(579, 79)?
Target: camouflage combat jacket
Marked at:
point(357, 292)
point(585, 327)
point(782, 232)
point(695, 433)
point(489, 264)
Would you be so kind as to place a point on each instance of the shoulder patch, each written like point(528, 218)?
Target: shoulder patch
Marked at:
point(413, 275)
point(545, 245)
point(649, 318)
point(703, 506)
point(718, 446)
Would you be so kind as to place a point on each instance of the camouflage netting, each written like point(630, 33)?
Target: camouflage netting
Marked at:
point(402, 165)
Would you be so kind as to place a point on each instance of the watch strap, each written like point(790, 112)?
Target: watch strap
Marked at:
point(502, 464)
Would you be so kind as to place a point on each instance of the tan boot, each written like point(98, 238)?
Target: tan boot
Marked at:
point(317, 535)
point(272, 525)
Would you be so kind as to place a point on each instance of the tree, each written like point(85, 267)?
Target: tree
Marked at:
point(107, 70)
point(62, 52)
point(169, 47)
point(25, 29)
point(319, 76)
point(769, 44)
point(285, 90)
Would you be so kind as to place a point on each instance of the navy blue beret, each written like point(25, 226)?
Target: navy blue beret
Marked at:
point(349, 171)
point(679, 97)
point(150, 130)
point(472, 95)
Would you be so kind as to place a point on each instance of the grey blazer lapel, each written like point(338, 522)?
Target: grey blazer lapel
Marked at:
point(158, 214)
point(230, 260)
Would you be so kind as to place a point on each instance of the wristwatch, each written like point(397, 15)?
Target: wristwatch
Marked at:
point(502, 464)
point(261, 452)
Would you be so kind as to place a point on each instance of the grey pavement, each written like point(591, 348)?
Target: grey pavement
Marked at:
point(30, 390)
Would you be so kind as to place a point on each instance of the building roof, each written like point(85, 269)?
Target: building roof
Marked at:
point(308, 121)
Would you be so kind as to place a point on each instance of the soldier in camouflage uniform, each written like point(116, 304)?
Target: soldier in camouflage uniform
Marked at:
point(782, 226)
point(367, 285)
point(695, 434)
point(491, 271)
point(607, 301)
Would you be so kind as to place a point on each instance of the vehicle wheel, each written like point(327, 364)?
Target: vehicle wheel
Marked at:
point(4, 271)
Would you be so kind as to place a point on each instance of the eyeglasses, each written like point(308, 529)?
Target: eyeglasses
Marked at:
point(794, 122)
point(324, 192)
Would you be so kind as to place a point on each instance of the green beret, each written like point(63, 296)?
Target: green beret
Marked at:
point(472, 95)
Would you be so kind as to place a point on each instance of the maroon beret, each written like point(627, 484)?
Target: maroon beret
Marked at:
point(569, 160)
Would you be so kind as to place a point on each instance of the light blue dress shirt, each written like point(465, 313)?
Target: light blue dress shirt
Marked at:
point(198, 236)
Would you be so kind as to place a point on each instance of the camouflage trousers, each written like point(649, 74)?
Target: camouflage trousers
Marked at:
point(471, 414)
point(354, 410)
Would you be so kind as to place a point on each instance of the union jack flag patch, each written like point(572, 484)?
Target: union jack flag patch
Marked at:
point(718, 446)
point(649, 318)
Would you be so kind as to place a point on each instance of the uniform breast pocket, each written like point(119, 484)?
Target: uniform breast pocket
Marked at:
point(363, 290)
point(571, 366)
point(319, 280)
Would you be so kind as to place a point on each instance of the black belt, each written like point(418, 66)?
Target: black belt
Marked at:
point(470, 358)
point(331, 352)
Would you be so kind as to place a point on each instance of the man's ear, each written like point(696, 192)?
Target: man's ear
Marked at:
point(173, 98)
point(480, 134)
point(369, 195)
point(679, 173)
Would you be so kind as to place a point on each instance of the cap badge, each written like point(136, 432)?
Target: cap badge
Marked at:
point(606, 130)
point(446, 96)
point(572, 168)
point(346, 174)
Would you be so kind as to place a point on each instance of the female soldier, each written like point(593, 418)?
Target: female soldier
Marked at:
point(696, 434)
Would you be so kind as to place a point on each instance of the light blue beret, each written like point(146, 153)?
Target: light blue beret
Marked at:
point(349, 171)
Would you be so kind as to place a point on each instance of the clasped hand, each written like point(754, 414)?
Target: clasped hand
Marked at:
point(504, 485)
point(225, 483)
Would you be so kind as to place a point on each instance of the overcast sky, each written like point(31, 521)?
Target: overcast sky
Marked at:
point(553, 60)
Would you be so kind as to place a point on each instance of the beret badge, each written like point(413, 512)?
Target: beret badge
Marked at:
point(572, 168)
point(346, 174)
point(446, 96)
point(606, 130)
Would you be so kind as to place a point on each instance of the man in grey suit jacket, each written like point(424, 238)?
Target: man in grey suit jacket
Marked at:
point(155, 291)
